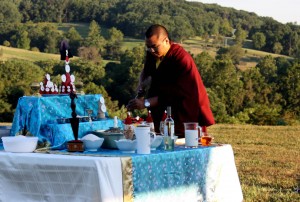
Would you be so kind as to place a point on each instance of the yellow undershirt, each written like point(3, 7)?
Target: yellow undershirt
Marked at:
point(158, 61)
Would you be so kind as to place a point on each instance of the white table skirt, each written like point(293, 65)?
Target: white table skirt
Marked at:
point(58, 178)
point(48, 177)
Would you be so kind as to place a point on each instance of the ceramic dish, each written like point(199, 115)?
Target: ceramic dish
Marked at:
point(109, 137)
point(19, 143)
point(92, 142)
point(126, 145)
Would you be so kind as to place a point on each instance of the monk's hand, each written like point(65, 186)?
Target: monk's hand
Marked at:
point(135, 104)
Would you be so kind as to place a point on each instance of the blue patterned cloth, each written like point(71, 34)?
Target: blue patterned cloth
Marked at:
point(40, 114)
point(202, 174)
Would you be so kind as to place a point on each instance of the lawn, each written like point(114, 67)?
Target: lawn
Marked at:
point(267, 159)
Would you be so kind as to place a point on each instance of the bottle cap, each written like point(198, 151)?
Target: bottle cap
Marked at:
point(128, 119)
point(164, 116)
point(149, 117)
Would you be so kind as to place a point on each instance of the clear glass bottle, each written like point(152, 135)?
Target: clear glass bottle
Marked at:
point(162, 123)
point(169, 131)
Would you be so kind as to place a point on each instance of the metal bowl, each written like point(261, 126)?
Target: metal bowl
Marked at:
point(109, 138)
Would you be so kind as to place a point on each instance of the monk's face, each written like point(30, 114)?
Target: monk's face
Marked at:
point(158, 45)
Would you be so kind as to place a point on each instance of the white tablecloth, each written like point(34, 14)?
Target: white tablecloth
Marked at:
point(58, 178)
point(48, 177)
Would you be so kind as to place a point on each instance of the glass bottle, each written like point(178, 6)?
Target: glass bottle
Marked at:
point(128, 127)
point(162, 123)
point(169, 131)
point(149, 121)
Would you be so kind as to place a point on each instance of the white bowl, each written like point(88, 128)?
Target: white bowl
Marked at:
point(92, 142)
point(126, 145)
point(155, 142)
point(19, 143)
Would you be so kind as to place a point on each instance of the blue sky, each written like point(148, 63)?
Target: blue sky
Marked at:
point(281, 10)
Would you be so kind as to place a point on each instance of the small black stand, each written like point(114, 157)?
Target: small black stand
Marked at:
point(74, 145)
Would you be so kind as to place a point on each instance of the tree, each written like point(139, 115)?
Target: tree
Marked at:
point(289, 86)
point(277, 48)
point(112, 105)
point(225, 28)
point(204, 64)
point(122, 79)
point(94, 38)
point(75, 40)
point(23, 40)
point(89, 53)
point(15, 79)
point(259, 40)
point(235, 53)
point(183, 29)
point(9, 12)
point(227, 85)
point(113, 45)
point(240, 35)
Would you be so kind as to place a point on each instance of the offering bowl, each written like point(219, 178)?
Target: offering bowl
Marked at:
point(126, 145)
point(92, 142)
point(19, 143)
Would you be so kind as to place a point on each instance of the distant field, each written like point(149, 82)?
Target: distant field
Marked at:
point(81, 28)
point(130, 43)
point(15, 53)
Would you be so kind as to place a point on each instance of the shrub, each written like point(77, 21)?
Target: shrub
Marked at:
point(6, 43)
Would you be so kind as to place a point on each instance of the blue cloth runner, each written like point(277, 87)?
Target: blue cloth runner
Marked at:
point(40, 114)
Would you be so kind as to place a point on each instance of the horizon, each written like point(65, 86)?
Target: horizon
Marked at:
point(281, 11)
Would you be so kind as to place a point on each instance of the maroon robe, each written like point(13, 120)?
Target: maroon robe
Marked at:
point(178, 84)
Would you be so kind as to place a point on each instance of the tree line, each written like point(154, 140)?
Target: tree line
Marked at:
point(182, 18)
point(265, 94)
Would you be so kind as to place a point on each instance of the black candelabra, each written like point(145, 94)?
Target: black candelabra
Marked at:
point(74, 145)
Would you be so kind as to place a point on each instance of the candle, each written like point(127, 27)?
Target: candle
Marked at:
point(115, 122)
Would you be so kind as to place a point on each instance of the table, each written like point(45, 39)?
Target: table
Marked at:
point(202, 174)
point(39, 115)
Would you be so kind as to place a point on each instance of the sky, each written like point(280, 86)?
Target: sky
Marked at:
point(280, 10)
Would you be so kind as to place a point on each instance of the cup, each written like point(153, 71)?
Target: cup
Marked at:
point(143, 138)
point(206, 139)
point(192, 133)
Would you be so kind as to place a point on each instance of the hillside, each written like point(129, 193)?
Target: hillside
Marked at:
point(15, 53)
point(195, 46)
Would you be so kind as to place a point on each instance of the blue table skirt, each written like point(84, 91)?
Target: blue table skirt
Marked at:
point(39, 115)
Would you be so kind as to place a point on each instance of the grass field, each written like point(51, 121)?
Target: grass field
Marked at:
point(15, 53)
point(267, 159)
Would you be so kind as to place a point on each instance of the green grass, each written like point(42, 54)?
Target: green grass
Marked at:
point(130, 43)
point(15, 53)
point(267, 159)
point(81, 28)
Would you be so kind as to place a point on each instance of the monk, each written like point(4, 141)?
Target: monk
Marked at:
point(173, 79)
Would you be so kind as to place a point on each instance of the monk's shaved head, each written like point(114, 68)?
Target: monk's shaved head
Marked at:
point(158, 30)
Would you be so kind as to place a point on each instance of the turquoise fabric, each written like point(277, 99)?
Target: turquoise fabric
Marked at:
point(179, 173)
point(39, 115)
